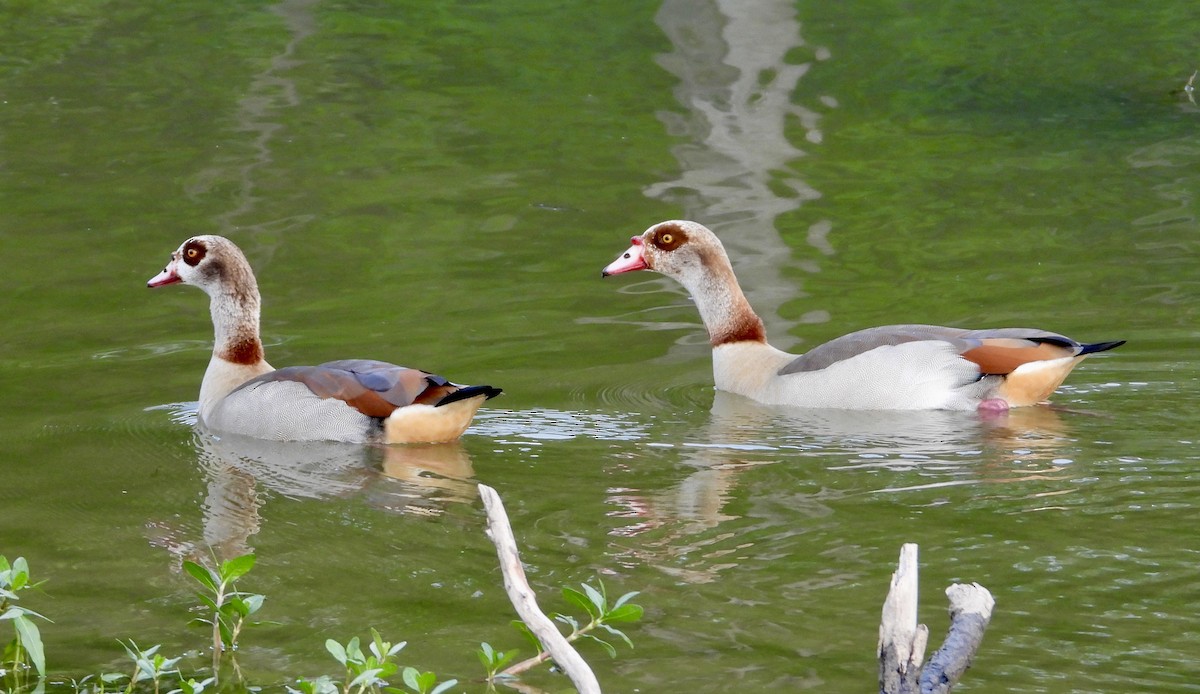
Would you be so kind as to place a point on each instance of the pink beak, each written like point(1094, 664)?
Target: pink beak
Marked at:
point(167, 276)
point(630, 260)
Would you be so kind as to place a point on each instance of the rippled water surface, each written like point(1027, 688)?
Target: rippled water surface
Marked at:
point(439, 184)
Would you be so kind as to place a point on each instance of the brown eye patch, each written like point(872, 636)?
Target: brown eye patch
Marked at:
point(668, 237)
point(193, 252)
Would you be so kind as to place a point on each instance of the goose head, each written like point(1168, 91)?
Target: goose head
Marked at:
point(212, 263)
point(692, 255)
point(684, 251)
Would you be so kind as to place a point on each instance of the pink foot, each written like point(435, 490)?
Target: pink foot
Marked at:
point(992, 407)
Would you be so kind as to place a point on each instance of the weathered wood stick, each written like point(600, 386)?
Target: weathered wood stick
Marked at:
point(970, 612)
point(524, 600)
point(901, 640)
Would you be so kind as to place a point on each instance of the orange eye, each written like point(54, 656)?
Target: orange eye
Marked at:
point(666, 239)
point(192, 253)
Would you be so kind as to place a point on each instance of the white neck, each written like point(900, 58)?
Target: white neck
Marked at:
point(723, 307)
point(237, 350)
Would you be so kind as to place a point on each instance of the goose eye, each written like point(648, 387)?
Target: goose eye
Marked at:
point(193, 254)
point(667, 239)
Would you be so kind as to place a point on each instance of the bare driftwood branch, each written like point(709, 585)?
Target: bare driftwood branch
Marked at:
point(970, 612)
point(902, 640)
point(524, 600)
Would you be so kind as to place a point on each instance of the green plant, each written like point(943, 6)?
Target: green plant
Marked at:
point(95, 684)
point(367, 672)
point(25, 650)
point(601, 616)
point(493, 661)
point(595, 603)
point(230, 607)
point(148, 664)
point(425, 682)
point(191, 686)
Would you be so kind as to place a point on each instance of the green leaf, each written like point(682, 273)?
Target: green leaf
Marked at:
point(31, 641)
point(4, 565)
point(444, 686)
point(625, 598)
point(387, 670)
point(336, 650)
point(487, 656)
point(321, 685)
point(235, 607)
point(617, 632)
point(254, 603)
point(201, 574)
point(578, 599)
point(611, 649)
point(412, 678)
point(20, 569)
point(367, 677)
point(208, 602)
point(597, 598)
point(237, 567)
point(624, 613)
point(528, 634)
point(30, 613)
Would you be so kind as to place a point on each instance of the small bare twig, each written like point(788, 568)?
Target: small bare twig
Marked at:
point(524, 600)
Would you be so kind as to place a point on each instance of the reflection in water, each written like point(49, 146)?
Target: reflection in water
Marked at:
point(269, 92)
point(679, 530)
point(737, 86)
point(243, 472)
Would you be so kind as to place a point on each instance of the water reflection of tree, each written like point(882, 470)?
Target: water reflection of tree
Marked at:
point(258, 114)
point(737, 85)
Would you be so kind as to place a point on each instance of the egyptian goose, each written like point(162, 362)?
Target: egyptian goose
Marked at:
point(355, 400)
point(894, 367)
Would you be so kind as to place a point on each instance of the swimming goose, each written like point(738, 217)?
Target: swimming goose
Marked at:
point(355, 400)
point(894, 367)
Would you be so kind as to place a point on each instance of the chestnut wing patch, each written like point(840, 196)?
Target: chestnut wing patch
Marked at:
point(1002, 355)
point(374, 388)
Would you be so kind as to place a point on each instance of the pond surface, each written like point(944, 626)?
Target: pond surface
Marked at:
point(439, 184)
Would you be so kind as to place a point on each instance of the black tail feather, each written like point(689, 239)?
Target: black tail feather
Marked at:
point(1100, 347)
point(467, 392)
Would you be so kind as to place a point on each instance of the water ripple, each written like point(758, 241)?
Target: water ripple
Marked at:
point(542, 424)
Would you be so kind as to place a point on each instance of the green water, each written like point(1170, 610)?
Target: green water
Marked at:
point(439, 184)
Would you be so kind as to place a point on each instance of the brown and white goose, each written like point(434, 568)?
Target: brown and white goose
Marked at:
point(894, 367)
point(355, 400)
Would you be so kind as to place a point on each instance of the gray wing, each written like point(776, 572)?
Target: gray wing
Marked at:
point(856, 343)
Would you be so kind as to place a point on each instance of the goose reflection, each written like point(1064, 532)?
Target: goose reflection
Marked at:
point(687, 530)
point(243, 473)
